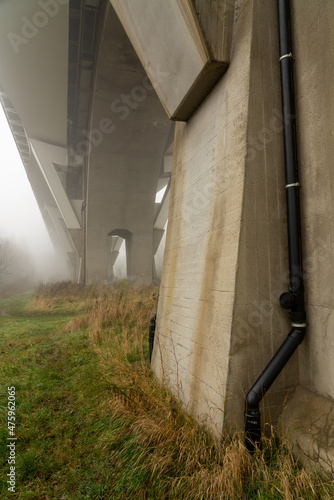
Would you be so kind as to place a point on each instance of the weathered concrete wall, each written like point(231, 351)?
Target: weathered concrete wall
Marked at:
point(259, 324)
point(215, 18)
point(228, 209)
point(309, 416)
point(199, 275)
point(226, 259)
point(308, 422)
point(314, 70)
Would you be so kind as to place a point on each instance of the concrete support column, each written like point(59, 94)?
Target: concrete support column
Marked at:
point(140, 258)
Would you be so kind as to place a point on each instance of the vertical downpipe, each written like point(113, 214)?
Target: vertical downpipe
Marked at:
point(294, 298)
point(151, 334)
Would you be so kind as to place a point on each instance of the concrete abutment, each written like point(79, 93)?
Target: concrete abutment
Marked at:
point(226, 262)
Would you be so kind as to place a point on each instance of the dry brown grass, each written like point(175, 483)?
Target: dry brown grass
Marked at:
point(175, 455)
point(65, 296)
point(177, 451)
point(185, 459)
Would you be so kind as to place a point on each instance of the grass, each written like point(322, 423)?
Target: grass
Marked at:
point(93, 423)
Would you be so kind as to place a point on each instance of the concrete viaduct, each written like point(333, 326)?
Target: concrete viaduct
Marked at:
point(91, 89)
point(94, 138)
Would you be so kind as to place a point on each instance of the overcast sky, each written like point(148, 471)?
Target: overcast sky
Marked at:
point(20, 218)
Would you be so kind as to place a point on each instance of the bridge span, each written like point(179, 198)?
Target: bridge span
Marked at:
point(94, 138)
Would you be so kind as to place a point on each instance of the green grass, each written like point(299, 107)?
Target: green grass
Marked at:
point(58, 387)
point(93, 423)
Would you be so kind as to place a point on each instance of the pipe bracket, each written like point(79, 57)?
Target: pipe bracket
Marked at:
point(286, 55)
point(293, 184)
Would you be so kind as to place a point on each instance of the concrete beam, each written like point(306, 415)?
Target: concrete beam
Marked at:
point(168, 161)
point(115, 245)
point(46, 155)
point(77, 239)
point(34, 65)
point(162, 216)
point(173, 50)
point(56, 218)
point(157, 237)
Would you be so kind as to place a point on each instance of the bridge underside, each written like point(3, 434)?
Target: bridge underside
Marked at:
point(89, 96)
point(94, 138)
point(129, 138)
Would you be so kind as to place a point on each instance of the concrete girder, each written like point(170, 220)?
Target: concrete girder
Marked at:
point(162, 183)
point(34, 75)
point(61, 232)
point(34, 62)
point(46, 155)
point(157, 237)
point(115, 245)
point(168, 160)
point(162, 216)
point(181, 59)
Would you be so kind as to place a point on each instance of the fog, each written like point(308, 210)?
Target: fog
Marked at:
point(20, 218)
point(22, 224)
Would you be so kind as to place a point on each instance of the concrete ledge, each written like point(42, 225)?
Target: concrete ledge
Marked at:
point(308, 421)
point(174, 49)
point(205, 81)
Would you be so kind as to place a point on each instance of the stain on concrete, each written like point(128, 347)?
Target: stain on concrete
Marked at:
point(201, 343)
point(308, 422)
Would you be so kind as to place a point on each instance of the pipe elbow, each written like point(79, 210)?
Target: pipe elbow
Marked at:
point(153, 319)
point(298, 333)
point(253, 400)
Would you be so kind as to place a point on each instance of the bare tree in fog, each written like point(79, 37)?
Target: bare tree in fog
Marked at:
point(7, 255)
point(16, 266)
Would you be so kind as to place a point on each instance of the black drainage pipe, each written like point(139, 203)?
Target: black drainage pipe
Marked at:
point(151, 334)
point(294, 298)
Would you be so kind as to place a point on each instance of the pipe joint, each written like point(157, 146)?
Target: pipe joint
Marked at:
point(294, 300)
point(298, 333)
point(298, 317)
point(288, 300)
point(252, 428)
point(296, 285)
point(253, 399)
